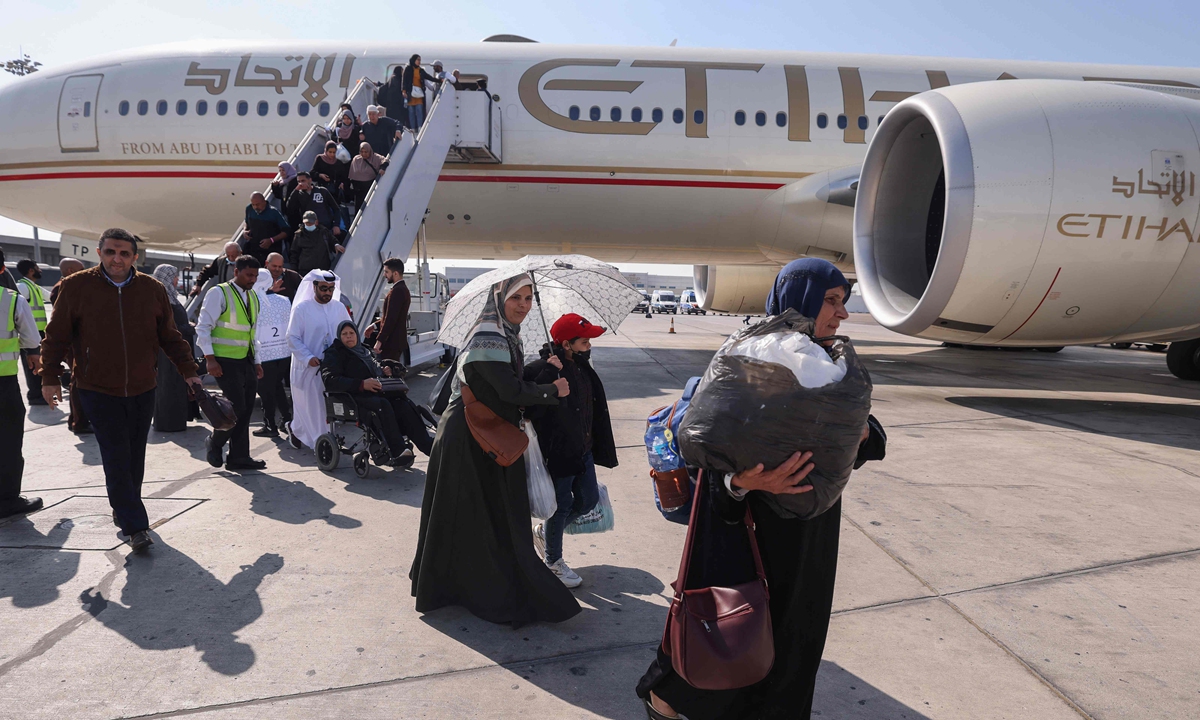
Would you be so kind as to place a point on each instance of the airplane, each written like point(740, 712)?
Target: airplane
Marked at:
point(977, 202)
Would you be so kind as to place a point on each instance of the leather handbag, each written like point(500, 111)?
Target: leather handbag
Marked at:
point(501, 440)
point(217, 408)
point(720, 638)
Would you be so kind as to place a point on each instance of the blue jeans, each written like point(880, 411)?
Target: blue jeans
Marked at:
point(416, 116)
point(577, 495)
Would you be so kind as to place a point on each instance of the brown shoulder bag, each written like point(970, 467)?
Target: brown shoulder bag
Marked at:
point(720, 638)
point(501, 440)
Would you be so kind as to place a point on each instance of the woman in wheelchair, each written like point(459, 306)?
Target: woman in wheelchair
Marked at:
point(350, 367)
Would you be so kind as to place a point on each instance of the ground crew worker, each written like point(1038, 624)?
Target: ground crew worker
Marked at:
point(28, 286)
point(18, 332)
point(225, 334)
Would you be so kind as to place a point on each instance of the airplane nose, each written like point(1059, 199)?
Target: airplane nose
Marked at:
point(28, 142)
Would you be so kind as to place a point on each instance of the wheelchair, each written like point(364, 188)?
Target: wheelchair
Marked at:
point(345, 422)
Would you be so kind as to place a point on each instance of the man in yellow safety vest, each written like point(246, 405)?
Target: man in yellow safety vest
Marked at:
point(18, 332)
point(225, 334)
point(33, 293)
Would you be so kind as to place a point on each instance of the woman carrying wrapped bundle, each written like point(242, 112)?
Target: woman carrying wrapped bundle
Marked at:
point(799, 552)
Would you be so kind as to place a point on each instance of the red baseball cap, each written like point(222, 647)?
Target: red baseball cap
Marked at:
point(572, 326)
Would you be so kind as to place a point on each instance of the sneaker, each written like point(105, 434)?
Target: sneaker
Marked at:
point(566, 574)
point(266, 431)
point(141, 540)
point(539, 541)
point(295, 441)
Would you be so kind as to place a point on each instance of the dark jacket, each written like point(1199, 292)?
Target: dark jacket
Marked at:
point(114, 334)
point(560, 427)
point(391, 96)
point(343, 371)
point(261, 227)
point(426, 74)
point(312, 250)
point(319, 200)
point(336, 171)
point(380, 135)
point(393, 326)
point(219, 268)
point(291, 283)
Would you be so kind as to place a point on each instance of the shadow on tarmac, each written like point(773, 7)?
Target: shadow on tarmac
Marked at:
point(289, 501)
point(1170, 425)
point(842, 695)
point(171, 602)
point(32, 577)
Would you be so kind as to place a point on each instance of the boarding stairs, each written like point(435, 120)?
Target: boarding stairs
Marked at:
point(461, 127)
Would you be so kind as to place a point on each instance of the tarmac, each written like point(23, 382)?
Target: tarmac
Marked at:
point(1030, 548)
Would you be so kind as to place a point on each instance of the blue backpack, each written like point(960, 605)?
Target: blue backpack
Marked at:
point(667, 466)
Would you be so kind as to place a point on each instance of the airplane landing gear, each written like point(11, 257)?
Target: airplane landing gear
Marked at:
point(1183, 359)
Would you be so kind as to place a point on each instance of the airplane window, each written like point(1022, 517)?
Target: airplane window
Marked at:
point(615, 114)
point(781, 119)
point(302, 109)
point(263, 107)
point(323, 109)
point(594, 113)
point(161, 107)
point(698, 117)
point(677, 115)
point(143, 107)
point(282, 108)
point(123, 108)
point(656, 115)
point(222, 107)
point(863, 122)
point(181, 107)
point(87, 109)
point(635, 114)
point(841, 122)
point(739, 117)
point(760, 118)
point(573, 113)
point(243, 107)
point(201, 107)
point(822, 121)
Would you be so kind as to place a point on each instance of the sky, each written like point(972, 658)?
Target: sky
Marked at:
point(55, 32)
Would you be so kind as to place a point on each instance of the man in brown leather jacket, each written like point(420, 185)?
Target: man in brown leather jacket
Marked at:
point(114, 320)
point(392, 341)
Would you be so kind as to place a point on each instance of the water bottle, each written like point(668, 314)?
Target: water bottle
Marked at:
point(656, 453)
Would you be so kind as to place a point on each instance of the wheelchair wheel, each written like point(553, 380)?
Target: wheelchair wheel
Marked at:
point(362, 464)
point(328, 452)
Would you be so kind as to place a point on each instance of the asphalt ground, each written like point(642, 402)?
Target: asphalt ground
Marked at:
point(1028, 549)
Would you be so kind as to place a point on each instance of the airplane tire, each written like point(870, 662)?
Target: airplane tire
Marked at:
point(1183, 359)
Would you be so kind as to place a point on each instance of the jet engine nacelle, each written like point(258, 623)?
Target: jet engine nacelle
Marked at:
point(1033, 212)
point(736, 289)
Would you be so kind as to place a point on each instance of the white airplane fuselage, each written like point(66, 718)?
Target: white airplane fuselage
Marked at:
point(705, 183)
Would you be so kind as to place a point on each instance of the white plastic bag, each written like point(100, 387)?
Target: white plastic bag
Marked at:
point(343, 155)
point(542, 501)
point(597, 520)
point(797, 352)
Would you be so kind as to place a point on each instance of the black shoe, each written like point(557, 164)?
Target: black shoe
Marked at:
point(266, 431)
point(216, 454)
point(140, 541)
point(295, 441)
point(84, 430)
point(245, 464)
point(20, 505)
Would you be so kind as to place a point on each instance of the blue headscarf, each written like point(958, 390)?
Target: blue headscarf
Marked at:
point(801, 285)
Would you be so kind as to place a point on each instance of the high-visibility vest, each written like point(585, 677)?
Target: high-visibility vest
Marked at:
point(234, 331)
point(37, 303)
point(10, 339)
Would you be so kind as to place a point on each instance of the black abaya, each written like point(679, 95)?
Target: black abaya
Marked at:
point(475, 546)
point(800, 560)
point(171, 411)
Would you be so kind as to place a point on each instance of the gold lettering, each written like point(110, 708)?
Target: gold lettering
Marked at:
point(1128, 224)
point(937, 79)
point(1104, 219)
point(625, 86)
point(347, 68)
point(1180, 226)
point(276, 76)
point(853, 105)
point(1143, 226)
point(1063, 223)
point(215, 84)
point(695, 89)
point(797, 90)
point(529, 92)
point(316, 86)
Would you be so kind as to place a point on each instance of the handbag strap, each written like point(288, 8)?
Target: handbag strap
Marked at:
point(685, 563)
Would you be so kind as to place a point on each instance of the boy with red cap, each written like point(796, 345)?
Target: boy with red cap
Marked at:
point(575, 436)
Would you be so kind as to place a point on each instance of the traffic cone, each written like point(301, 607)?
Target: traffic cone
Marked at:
point(672, 330)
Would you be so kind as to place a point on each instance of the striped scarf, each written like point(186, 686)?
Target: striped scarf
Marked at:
point(493, 338)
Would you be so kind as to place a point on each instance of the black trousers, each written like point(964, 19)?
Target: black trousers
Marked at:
point(121, 425)
point(397, 419)
point(12, 438)
point(32, 380)
point(270, 389)
point(239, 382)
point(360, 188)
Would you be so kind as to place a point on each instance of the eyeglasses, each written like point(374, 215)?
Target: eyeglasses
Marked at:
point(323, 287)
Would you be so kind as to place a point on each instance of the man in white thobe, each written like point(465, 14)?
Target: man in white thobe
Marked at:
point(311, 330)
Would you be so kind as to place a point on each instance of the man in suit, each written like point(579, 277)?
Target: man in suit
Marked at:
point(392, 341)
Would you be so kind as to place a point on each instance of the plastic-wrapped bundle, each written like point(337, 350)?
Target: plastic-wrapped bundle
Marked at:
point(749, 411)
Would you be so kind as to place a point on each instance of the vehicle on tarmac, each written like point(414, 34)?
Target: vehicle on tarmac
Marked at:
point(689, 305)
point(663, 301)
point(644, 305)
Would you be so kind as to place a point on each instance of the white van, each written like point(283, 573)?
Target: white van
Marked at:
point(688, 303)
point(663, 301)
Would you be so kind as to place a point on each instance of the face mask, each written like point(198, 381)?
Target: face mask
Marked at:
point(583, 356)
point(309, 228)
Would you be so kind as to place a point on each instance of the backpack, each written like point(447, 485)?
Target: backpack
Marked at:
point(669, 474)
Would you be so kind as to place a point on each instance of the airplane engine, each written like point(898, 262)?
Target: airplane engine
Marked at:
point(736, 289)
point(1034, 213)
